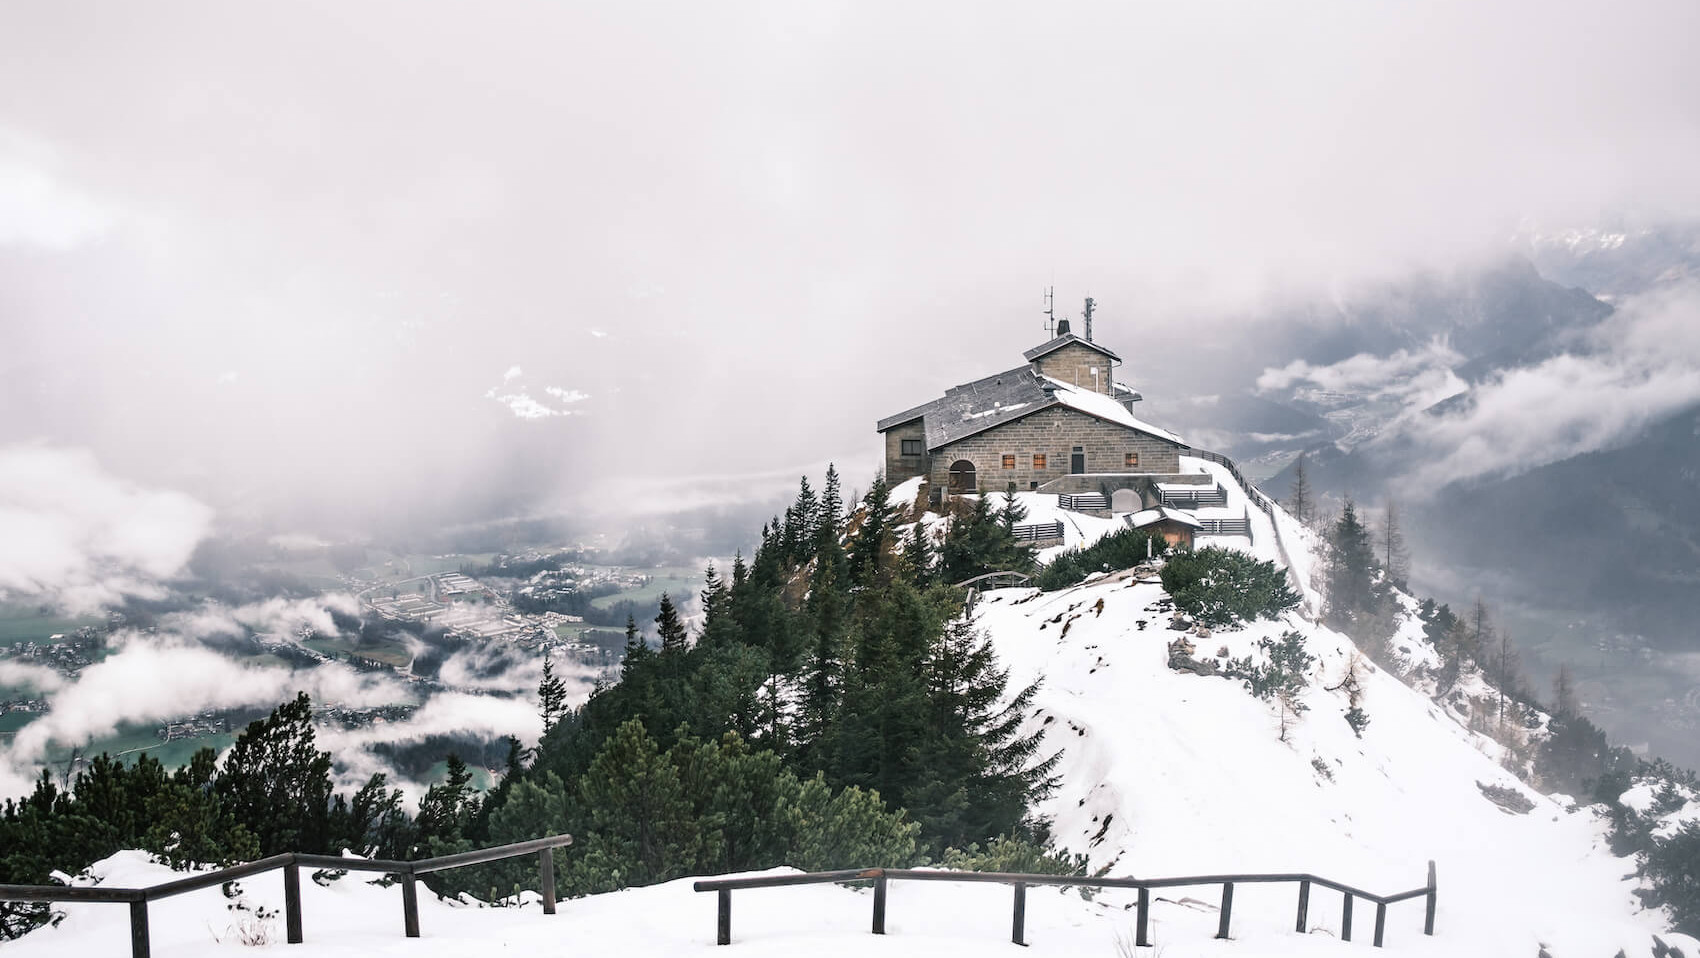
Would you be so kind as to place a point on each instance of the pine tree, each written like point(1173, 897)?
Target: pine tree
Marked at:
point(831, 521)
point(1390, 543)
point(636, 648)
point(719, 627)
point(276, 781)
point(551, 694)
point(1352, 594)
point(669, 627)
point(870, 544)
point(1300, 501)
point(643, 828)
point(1565, 703)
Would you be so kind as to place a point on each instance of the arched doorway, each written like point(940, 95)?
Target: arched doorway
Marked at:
point(962, 477)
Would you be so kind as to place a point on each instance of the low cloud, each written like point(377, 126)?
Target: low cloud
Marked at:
point(1418, 378)
point(79, 537)
point(276, 617)
point(153, 679)
point(1645, 366)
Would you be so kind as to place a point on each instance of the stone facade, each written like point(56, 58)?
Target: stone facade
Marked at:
point(898, 466)
point(1074, 363)
point(1053, 433)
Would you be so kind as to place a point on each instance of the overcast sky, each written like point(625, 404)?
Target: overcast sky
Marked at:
point(323, 260)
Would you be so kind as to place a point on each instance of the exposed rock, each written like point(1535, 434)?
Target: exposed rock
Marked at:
point(1202, 631)
point(1180, 623)
point(1181, 658)
point(1509, 800)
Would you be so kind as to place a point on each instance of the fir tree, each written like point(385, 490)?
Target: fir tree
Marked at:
point(870, 544)
point(1390, 544)
point(637, 650)
point(643, 829)
point(276, 781)
point(551, 694)
point(831, 521)
point(1300, 501)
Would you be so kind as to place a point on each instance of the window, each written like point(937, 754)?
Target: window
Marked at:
point(1009, 460)
point(1132, 459)
point(1033, 485)
point(911, 447)
point(1038, 460)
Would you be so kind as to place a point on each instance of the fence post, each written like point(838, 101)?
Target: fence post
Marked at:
point(723, 925)
point(1346, 919)
point(1018, 928)
point(1428, 916)
point(1380, 921)
point(292, 903)
point(1142, 938)
point(879, 904)
point(1227, 909)
point(409, 904)
point(546, 867)
point(139, 930)
point(1304, 906)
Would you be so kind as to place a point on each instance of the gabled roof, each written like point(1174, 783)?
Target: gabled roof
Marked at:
point(1064, 340)
point(1140, 520)
point(975, 407)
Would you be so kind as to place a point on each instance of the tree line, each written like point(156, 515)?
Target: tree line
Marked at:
point(833, 709)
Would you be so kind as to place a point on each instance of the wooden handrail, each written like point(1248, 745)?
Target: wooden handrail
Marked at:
point(291, 863)
point(1021, 880)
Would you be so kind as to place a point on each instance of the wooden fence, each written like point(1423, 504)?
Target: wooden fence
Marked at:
point(881, 877)
point(291, 863)
point(1037, 531)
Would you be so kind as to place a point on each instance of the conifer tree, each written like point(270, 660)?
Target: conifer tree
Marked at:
point(277, 781)
point(669, 627)
point(643, 829)
point(1352, 593)
point(1300, 501)
point(636, 648)
point(551, 694)
point(1390, 544)
point(831, 523)
point(870, 545)
point(1565, 703)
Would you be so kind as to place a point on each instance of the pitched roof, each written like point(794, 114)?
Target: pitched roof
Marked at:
point(975, 407)
point(1062, 341)
point(1140, 520)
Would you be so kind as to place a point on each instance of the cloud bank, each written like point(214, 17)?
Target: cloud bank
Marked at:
point(77, 536)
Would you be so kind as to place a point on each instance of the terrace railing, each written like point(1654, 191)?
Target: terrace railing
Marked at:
point(1039, 531)
point(882, 877)
point(291, 863)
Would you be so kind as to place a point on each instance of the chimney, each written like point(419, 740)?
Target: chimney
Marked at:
point(1062, 327)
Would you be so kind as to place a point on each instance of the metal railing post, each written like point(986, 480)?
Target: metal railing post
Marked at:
point(1018, 925)
point(1346, 919)
point(292, 903)
point(546, 878)
point(1380, 921)
point(723, 920)
point(410, 904)
point(879, 905)
point(1428, 912)
point(1227, 909)
point(1304, 906)
point(1142, 934)
point(139, 930)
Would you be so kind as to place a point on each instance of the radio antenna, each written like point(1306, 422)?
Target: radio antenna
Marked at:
point(1050, 314)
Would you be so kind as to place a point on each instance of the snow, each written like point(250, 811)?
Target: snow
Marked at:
point(1102, 406)
point(1143, 518)
point(1162, 774)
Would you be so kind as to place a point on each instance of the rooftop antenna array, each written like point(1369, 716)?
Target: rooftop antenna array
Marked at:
point(1050, 314)
point(1087, 317)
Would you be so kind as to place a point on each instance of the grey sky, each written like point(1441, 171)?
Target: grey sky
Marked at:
point(290, 253)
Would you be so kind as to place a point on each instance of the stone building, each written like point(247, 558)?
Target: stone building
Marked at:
point(1058, 423)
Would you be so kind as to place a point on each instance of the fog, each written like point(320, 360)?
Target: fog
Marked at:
point(440, 262)
point(319, 269)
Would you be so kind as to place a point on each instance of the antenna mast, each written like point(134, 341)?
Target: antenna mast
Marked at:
point(1050, 315)
point(1090, 303)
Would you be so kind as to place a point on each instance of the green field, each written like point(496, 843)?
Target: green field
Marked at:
point(25, 623)
point(677, 581)
point(389, 653)
point(131, 742)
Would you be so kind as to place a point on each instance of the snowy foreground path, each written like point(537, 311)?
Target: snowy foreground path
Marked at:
point(354, 918)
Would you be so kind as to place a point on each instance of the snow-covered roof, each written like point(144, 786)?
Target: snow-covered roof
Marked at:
point(977, 406)
point(1064, 340)
point(1099, 405)
point(1147, 517)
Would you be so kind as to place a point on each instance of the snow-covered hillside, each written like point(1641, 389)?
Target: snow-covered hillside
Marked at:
point(1164, 773)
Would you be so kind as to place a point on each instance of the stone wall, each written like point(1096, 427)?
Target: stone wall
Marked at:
point(1052, 432)
point(899, 467)
point(1073, 364)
